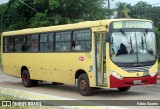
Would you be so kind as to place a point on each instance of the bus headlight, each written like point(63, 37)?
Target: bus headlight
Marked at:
point(154, 73)
point(116, 75)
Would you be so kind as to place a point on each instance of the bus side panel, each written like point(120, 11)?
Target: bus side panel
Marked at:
point(65, 65)
point(53, 67)
point(9, 65)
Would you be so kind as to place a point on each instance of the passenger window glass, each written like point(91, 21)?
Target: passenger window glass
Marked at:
point(87, 36)
point(43, 38)
point(17, 39)
point(20, 43)
point(66, 46)
point(29, 40)
point(10, 40)
point(58, 37)
point(50, 47)
point(34, 47)
point(58, 46)
point(5, 40)
point(50, 35)
point(22, 39)
point(63, 41)
point(44, 47)
point(34, 38)
point(81, 40)
point(29, 47)
point(32, 43)
point(66, 37)
point(46, 42)
point(8, 44)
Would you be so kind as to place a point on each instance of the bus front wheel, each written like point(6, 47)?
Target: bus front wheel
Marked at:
point(83, 85)
point(123, 89)
point(27, 82)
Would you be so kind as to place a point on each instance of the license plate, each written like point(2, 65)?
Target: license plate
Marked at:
point(137, 82)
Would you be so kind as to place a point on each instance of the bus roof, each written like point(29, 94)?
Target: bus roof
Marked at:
point(80, 25)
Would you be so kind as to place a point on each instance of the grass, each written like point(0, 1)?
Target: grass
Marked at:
point(7, 97)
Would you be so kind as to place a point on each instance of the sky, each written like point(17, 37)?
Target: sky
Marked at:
point(113, 2)
point(133, 2)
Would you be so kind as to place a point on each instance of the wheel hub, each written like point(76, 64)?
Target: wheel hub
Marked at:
point(83, 85)
point(25, 78)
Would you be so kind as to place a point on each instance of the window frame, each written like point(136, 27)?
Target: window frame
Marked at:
point(48, 42)
point(61, 41)
point(90, 40)
point(30, 35)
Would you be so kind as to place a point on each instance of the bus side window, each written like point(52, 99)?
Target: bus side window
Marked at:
point(20, 42)
point(63, 41)
point(32, 43)
point(46, 42)
point(84, 39)
point(8, 44)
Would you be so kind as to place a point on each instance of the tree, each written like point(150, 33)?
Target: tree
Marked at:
point(143, 10)
point(122, 10)
point(109, 3)
point(52, 12)
point(140, 10)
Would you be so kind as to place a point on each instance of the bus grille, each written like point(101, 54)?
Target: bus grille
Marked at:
point(137, 69)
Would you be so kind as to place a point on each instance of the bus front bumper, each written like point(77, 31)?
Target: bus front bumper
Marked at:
point(125, 82)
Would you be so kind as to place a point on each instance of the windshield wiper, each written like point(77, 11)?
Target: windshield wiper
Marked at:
point(142, 43)
point(131, 45)
point(144, 34)
point(124, 34)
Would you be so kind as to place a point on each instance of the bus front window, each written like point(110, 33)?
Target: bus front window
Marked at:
point(133, 47)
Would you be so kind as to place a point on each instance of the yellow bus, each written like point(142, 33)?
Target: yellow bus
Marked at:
point(111, 53)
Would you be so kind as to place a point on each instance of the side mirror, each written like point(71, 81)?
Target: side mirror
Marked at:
point(108, 37)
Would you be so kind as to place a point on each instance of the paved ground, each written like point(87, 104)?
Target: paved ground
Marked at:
point(71, 92)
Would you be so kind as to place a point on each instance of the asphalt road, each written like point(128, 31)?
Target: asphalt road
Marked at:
point(68, 91)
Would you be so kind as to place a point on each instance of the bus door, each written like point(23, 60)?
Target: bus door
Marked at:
point(100, 58)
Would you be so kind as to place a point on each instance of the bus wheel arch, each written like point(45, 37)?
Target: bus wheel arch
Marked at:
point(22, 69)
point(26, 80)
point(79, 72)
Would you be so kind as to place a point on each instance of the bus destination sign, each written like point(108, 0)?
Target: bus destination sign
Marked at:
point(132, 24)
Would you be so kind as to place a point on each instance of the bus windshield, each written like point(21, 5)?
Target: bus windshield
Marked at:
point(133, 47)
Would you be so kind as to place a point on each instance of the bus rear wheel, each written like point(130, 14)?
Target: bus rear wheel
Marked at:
point(27, 82)
point(83, 85)
point(123, 89)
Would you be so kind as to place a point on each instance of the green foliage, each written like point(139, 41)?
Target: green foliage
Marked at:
point(122, 10)
point(157, 30)
point(140, 10)
point(39, 20)
point(17, 15)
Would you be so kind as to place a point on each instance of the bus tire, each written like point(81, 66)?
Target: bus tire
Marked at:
point(123, 89)
point(35, 82)
point(27, 82)
point(83, 85)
